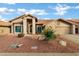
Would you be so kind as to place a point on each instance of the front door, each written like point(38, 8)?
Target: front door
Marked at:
point(30, 29)
point(76, 30)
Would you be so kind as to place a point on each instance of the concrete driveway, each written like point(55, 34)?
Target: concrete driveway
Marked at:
point(73, 38)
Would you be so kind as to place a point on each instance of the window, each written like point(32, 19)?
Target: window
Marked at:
point(18, 28)
point(39, 29)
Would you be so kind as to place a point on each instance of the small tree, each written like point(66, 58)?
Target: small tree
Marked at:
point(48, 33)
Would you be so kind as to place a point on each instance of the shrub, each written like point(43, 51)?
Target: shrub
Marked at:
point(49, 34)
point(20, 35)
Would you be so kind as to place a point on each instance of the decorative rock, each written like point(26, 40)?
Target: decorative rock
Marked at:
point(63, 43)
point(34, 47)
point(15, 45)
point(41, 37)
point(19, 45)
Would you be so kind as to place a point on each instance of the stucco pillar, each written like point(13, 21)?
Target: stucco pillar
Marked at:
point(29, 28)
point(33, 26)
point(12, 28)
point(25, 26)
point(78, 29)
point(73, 29)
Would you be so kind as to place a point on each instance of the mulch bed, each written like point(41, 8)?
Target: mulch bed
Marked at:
point(43, 46)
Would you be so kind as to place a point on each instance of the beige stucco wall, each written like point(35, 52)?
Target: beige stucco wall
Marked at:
point(52, 24)
point(17, 20)
point(59, 27)
point(20, 19)
point(4, 30)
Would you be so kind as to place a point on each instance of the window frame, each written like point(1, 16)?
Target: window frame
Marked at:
point(18, 29)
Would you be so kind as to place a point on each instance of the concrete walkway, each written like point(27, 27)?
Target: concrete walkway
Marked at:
point(39, 54)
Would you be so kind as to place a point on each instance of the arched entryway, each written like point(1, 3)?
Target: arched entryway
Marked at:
point(29, 25)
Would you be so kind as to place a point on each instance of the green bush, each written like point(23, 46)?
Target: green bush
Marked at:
point(49, 34)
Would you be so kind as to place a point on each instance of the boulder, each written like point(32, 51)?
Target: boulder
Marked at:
point(63, 43)
point(41, 37)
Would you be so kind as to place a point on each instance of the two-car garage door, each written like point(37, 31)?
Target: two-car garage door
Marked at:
point(63, 30)
point(4, 30)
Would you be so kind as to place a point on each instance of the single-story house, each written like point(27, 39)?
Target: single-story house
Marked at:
point(29, 24)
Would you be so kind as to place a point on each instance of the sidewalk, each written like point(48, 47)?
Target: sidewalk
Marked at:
point(39, 54)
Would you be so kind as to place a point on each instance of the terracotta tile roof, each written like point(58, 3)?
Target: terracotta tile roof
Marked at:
point(22, 16)
point(3, 23)
point(17, 21)
point(68, 21)
point(44, 22)
point(74, 20)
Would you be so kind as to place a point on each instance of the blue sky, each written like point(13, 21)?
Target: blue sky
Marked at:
point(40, 10)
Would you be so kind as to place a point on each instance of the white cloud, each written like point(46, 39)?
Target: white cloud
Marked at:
point(77, 7)
point(69, 18)
point(11, 3)
point(61, 9)
point(5, 10)
point(46, 18)
point(2, 19)
point(11, 10)
point(32, 11)
point(21, 10)
point(38, 12)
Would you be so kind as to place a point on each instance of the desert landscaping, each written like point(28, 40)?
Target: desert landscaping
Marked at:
point(8, 43)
